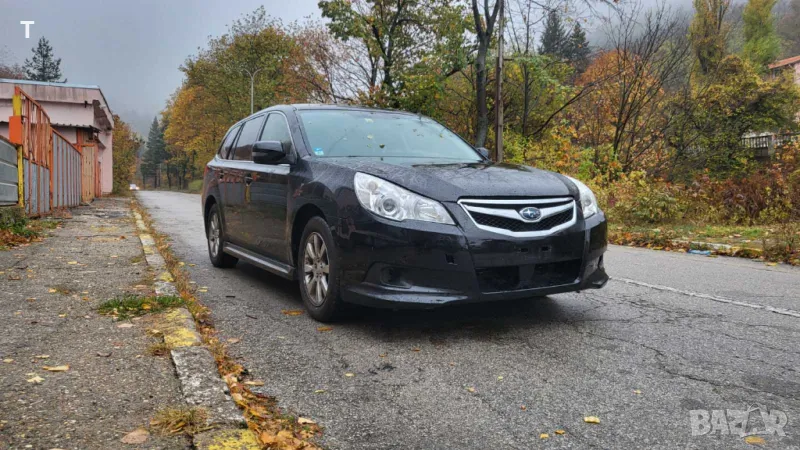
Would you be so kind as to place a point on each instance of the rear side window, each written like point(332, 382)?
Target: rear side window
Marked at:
point(278, 130)
point(248, 136)
point(226, 144)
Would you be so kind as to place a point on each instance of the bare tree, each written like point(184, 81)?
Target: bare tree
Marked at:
point(649, 53)
point(484, 30)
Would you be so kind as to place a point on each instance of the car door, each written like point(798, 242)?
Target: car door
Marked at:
point(219, 165)
point(267, 215)
point(237, 175)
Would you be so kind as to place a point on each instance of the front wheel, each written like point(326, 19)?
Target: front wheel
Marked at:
point(317, 271)
point(216, 240)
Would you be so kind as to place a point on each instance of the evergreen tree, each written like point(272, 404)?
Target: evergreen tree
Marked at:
point(578, 50)
point(554, 38)
point(155, 154)
point(761, 42)
point(44, 66)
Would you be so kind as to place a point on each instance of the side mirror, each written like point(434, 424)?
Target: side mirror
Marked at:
point(268, 152)
point(483, 151)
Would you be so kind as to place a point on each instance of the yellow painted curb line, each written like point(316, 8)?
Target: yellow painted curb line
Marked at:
point(241, 439)
point(178, 329)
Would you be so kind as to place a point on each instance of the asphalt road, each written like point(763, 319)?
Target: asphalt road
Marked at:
point(670, 333)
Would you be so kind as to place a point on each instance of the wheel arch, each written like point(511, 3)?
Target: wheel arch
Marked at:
point(210, 201)
point(301, 218)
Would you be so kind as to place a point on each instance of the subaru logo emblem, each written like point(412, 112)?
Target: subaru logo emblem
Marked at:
point(530, 213)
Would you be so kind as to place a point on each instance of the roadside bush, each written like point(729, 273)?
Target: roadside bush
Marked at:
point(633, 200)
point(762, 194)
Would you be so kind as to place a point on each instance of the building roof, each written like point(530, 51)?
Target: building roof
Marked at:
point(785, 62)
point(65, 93)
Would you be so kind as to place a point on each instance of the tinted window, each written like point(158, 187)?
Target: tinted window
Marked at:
point(336, 133)
point(226, 144)
point(278, 130)
point(244, 146)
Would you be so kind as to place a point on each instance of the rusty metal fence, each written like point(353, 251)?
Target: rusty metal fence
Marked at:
point(52, 168)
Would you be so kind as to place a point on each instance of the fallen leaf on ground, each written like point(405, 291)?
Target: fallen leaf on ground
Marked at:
point(62, 315)
point(137, 436)
point(755, 440)
point(500, 378)
point(591, 419)
point(471, 390)
point(382, 355)
point(321, 329)
point(348, 374)
point(237, 397)
point(637, 392)
point(544, 436)
point(8, 360)
point(254, 383)
point(305, 421)
point(560, 431)
point(125, 325)
point(56, 368)
point(52, 291)
point(104, 354)
point(415, 349)
point(42, 356)
point(772, 264)
point(319, 391)
point(523, 407)
point(36, 379)
point(166, 277)
point(292, 312)
point(234, 340)
point(72, 263)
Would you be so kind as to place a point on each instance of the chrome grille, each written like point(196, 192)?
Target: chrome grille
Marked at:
point(504, 217)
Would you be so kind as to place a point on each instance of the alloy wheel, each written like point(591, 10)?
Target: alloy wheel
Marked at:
point(214, 235)
point(316, 268)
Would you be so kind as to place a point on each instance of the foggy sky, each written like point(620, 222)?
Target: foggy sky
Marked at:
point(132, 49)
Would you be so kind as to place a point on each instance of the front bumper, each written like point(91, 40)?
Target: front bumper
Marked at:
point(419, 264)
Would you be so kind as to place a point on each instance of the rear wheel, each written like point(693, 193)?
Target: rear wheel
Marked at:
point(216, 240)
point(317, 271)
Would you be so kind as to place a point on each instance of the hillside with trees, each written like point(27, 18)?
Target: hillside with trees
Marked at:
point(652, 115)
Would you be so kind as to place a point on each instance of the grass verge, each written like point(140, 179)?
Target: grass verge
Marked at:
point(185, 420)
point(275, 429)
point(129, 305)
point(778, 243)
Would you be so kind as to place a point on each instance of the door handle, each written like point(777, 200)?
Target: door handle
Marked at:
point(248, 179)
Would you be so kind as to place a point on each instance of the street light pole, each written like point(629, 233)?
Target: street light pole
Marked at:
point(498, 96)
point(252, 83)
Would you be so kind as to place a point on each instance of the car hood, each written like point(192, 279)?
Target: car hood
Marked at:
point(449, 182)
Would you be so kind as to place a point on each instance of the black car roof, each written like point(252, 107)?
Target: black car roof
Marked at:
point(308, 106)
point(311, 106)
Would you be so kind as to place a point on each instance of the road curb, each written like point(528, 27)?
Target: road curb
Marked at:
point(197, 372)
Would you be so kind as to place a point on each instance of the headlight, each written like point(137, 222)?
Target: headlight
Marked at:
point(393, 202)
point(588, 200)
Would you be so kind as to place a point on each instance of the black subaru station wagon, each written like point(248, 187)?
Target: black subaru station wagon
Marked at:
point(392, 209)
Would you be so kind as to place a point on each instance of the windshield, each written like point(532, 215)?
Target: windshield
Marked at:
point(378, 134)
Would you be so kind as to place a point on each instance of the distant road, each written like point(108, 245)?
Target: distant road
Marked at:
point(670, 333)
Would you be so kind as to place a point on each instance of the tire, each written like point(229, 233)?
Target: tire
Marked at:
point(215, 235)
point(318, 271)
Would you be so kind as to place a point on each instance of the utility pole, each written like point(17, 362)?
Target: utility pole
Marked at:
point(498, 95)
point(252, 82)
